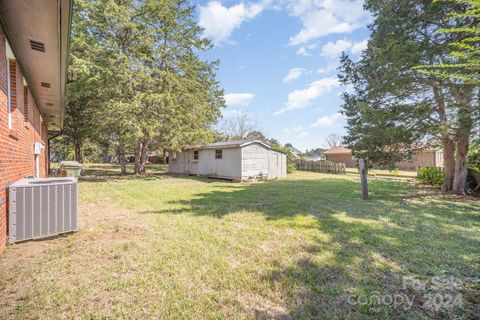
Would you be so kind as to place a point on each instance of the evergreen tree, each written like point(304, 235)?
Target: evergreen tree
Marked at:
point(395, 110)
point(146, 83)
point(464, 59)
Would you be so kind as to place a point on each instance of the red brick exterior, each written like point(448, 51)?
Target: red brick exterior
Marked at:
point(17, 159)
point(421, 159)
point(347, 159)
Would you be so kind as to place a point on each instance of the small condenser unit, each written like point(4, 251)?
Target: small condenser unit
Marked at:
point(40, 208)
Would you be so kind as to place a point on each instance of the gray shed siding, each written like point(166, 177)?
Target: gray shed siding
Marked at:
point(254, 161)
point(278, 164)
point(228, 167)
point(239, 163)
point(257, 160)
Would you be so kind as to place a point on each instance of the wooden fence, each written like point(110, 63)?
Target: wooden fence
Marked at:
point(323, 166)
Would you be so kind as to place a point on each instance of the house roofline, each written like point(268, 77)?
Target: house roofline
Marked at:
point(49, 24)
point(232, 145)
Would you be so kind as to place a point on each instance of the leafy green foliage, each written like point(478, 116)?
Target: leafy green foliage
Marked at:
point(318, 152)
point(474, 156)
point(463, 64)
point(137, 63)
point(430, 175)
point(393, 110)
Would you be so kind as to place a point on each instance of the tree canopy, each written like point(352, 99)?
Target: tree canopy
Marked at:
point(394, 109)
point(136, 69)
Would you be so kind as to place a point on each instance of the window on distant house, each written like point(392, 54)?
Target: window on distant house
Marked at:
point(195, 155)
point(218, 154)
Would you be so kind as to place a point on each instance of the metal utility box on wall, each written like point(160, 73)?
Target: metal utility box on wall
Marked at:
point(38, 148)
point(40, 208)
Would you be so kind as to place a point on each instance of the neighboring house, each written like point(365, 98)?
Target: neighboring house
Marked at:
point(425, 158)
point(341, 155)
point(236, 160)
point(34, 38)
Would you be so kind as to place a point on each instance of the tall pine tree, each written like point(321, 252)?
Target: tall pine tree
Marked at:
point(146, 83)
point(394, 110)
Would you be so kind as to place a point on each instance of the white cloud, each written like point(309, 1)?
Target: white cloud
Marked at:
point(299, 99)
point(296, 132)
point(239, 99)
point(235, 113)
point(358, 47)
point(219, 22)
point(302, 51)
point(323, 17)
point(327, 121)
point(331, 66)
point(333, 49)
point(305, 49)
point(293, 74)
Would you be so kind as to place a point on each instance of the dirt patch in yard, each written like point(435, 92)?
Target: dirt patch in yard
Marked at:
point(72, 262)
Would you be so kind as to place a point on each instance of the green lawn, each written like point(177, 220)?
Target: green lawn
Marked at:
point(305, 247)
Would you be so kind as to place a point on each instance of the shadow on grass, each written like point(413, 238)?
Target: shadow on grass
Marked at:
point(401, 231)
point(111, 172)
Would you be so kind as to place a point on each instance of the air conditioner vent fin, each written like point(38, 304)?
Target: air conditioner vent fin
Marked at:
point(40, 208)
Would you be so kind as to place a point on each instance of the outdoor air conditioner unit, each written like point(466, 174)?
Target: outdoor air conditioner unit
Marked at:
point(40, 208)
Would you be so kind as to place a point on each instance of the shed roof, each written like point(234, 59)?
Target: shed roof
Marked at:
point(233, 144)
point(338, 150)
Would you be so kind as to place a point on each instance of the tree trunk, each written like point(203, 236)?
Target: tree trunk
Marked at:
point(78, 151)
point(465, 124)
point(136, 151)
point(141, 154)
point(447, 141)
point(448, 163)
point(461, 170)
point(121, 156)
point(164, 158)
point(144, 157)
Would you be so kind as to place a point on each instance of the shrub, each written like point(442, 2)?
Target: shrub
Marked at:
point(474, 156)
point(430, 175)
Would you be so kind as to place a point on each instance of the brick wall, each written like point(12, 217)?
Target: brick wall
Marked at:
point(342, 158)
point(421, 159)
point(17, 160)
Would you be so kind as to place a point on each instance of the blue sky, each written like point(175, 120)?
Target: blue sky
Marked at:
point(278, 62)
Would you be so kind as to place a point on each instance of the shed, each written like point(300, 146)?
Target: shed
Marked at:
point(236, 160)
